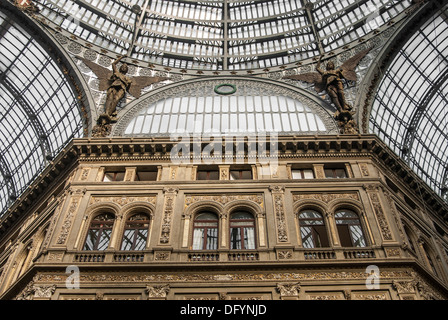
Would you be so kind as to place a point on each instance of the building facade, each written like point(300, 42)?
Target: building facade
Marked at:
point(340, 217)
point(220, 181)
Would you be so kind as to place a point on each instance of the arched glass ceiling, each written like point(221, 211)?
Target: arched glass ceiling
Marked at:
point(229, 109)
point(220, 35)
point(38, 110)
point(410, 109)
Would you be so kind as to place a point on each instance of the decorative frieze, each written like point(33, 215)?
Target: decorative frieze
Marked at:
point(224, 198)
point(371, 296)
point(123, 200)
point(110, 277)
point(326, 296)
point(325, 197)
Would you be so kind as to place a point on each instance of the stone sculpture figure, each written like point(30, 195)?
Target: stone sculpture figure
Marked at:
point(117, 83)
point(330, 80)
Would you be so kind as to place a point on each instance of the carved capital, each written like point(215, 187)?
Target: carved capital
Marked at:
point(288, 289)
point(157, 291)
point(405, 286)
point(173, 190)
point(277, 189)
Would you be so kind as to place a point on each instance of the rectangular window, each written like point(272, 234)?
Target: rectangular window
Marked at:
point(302, 174)
point(207, 175)
point(143, 175)
point(240, 174)
point(113, 176)
point(335, 173)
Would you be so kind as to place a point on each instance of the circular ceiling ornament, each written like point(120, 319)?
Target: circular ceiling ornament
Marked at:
point(225, 89)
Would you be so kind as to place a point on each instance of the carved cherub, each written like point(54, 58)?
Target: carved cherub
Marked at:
point(117, 83)
point(330, 80)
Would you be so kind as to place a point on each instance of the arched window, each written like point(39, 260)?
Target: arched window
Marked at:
point(410, 237)
point(135, 232)
point(98, 236)
point(312, 230)
point(205, 232)
point(349, 229)
point(242, 230)
point(429, 258)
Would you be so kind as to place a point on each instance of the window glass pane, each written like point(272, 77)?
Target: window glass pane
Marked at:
point(103, 242)
point(212, 239)
point(198, 239)
point(128, 239)
point(249, 238)
point(241, 215)
point(235, 238)
point(357, 236)
point(92, 237)
point(140, 241)
point(308, 173)
point(307, 237)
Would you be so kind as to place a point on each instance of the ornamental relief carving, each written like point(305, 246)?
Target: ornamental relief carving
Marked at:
point(402, 275)
point(66, 225)
point(168, 210)
point(288, 289)
point(280, 218)
point(326, 297)
point(32, 291)
point(371, 296)
point(157, 291)
point(379, 212)
point(122, 200)
point(405, 286)
point(224, 199)
point(284, 254)
point(325, 197)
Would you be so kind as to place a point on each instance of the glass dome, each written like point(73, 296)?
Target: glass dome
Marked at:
point(219, 34)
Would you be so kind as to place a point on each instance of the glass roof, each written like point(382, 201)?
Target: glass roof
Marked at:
point(410, 109)
point(38, 110)
point(229, 107)
point(219, 35)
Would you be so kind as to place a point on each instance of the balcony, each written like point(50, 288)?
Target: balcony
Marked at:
point(295, 255)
